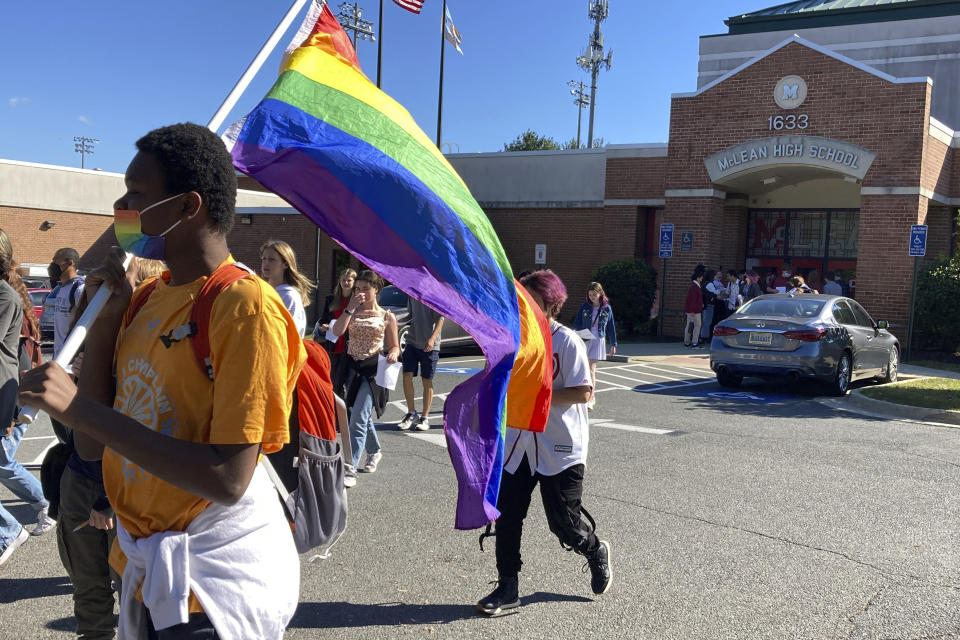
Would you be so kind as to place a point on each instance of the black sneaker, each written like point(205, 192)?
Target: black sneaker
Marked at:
point(504, 597)
point(601, 575)
point(408, 421)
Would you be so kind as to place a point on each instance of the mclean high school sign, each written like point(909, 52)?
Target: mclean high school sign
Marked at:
point(813, 151)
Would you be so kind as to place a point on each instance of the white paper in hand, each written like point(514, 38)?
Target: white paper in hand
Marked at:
point(387, 374)
point(586, 334)
point(330, 335)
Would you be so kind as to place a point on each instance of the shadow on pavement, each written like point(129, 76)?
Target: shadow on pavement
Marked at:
point(17, 589)
point(68, 624)
point(756, 397)
point(331, 615)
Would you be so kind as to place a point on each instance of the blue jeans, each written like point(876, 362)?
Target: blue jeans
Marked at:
point(19, 481)
point(362, 432)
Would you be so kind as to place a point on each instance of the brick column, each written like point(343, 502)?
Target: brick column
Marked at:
point(884, 267)
point(703, 215)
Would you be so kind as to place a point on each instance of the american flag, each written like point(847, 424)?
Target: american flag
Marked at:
point(413, 6)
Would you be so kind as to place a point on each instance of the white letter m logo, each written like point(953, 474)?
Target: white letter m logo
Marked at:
point(790, 91)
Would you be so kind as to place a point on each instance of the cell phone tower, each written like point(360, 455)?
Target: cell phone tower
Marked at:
point(592, 58)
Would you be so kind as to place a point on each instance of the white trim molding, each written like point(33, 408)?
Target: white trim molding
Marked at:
point(929, 194)
point(810, 45)
point(634, 202)
point(695, 193)
point(646, 150)
point(944, 134)
point(542, 204)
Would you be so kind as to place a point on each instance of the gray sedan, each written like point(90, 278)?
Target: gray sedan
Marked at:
point(829, 338)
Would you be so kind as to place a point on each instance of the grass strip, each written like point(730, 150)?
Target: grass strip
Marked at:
point(933, 393)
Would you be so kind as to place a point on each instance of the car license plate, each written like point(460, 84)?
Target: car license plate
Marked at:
point(761, 338)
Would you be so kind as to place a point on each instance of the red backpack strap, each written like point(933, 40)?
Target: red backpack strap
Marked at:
point(140, 298)
point(316, 407)
point(202, 309)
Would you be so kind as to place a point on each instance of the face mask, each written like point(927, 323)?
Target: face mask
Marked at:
point(130, 237)
point(54, 271)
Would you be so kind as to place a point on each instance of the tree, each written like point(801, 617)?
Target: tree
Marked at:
point(572, 144)
point(630, 284)
point(530, 140)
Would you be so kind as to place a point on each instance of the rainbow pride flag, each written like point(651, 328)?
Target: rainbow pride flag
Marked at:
point(352, 159)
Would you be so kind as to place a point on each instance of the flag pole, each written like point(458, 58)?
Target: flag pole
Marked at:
point(261, 57)
point(443, 26)
point(380, 45)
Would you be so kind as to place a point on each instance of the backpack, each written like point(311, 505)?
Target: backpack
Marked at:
point(309, 470)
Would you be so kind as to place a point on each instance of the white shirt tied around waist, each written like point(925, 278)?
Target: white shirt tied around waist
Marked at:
point(564, 442)
point(240, 562)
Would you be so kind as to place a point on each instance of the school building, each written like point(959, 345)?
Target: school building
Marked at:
point(819, 132)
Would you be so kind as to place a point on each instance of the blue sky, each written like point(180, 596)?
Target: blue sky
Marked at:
point(113, 69)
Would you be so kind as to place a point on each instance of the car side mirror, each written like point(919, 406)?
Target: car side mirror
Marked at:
point(883, 324)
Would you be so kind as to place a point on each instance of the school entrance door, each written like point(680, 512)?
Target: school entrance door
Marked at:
point(813, 240)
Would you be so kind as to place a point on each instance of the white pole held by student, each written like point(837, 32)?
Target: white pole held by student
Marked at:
point(73, 342)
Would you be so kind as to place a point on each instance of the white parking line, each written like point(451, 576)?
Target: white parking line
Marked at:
point(401, 405)
point(37, 438)
point(617, 375)
point(39, 459)
point(630, 427)
point(656, 368)
point(433, 438)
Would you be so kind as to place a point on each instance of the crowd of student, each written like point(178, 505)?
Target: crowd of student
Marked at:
point(159, 494)
point(714, 295)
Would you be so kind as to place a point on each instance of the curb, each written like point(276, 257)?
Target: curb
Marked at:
point(698, 363)
point(893, 410)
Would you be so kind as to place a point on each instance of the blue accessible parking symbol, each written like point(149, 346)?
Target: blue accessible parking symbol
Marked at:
point(918, 240)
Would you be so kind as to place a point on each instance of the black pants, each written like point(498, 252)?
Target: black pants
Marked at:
point(561, 503)
point(198, 627)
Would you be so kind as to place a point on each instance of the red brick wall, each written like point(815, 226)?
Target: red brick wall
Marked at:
point(937, 167)
point(940, 223)
point(578, 242)
point(884, 268)
point(636, 177)
point(89, 234)
point(842, 102)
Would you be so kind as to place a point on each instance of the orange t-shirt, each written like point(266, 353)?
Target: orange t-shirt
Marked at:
point(257, 355)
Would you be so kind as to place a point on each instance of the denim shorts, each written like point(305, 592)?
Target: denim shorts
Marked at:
point(426, 361)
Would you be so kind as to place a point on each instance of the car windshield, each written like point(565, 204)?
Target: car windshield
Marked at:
point(37, 298)
point(392, 297)
point(781, 308)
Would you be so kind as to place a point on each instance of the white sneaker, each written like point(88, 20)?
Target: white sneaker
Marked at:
point(408, 421)
point(373, 459)
point(7, 551)
point(349, 481)
point(591, 403)
point(44, 523)
point(422, 423)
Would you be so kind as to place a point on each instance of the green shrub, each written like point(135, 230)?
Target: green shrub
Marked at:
point(937, 314)
point(630, 284)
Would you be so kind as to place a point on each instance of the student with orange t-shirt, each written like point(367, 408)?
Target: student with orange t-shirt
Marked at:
point(205, 545)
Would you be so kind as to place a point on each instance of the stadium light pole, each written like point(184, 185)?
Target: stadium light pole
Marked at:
point(351, 19)
point(581, 99)
point(83, 146)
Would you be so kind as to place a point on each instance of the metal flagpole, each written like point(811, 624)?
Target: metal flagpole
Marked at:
point(443, 26)
point(380, 45)
point(261, 57)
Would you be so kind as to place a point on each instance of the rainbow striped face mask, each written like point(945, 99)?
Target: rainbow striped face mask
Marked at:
point(131, 238)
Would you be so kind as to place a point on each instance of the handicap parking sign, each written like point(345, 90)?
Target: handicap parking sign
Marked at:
point(666, 240)
point(918, 240)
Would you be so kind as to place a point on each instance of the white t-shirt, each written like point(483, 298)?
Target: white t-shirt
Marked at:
point(293, 301)
point(63, 312)
point(564, 442)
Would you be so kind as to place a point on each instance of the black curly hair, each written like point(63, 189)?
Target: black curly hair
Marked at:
point(193, 158)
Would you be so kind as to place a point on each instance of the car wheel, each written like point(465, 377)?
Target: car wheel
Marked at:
point(727, 379)
point(402, 338)
point(893, 367)
point(841, 378)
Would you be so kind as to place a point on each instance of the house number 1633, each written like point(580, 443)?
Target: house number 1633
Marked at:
point(789, 121)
